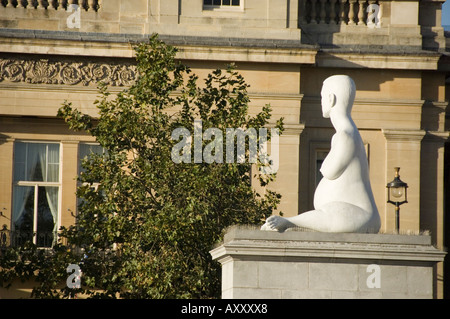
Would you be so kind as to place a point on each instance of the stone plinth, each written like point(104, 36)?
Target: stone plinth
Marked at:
point(300, 264)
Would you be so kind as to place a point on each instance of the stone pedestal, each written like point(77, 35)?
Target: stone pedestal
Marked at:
point(300, 264)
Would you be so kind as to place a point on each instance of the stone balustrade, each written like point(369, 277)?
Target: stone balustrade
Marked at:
point(349, 12)
point(401, 25)
point(52, 4)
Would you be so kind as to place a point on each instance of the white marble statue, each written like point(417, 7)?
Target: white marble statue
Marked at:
point(343, 200)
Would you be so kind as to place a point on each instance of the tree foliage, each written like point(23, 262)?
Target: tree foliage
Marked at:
point(145, 225)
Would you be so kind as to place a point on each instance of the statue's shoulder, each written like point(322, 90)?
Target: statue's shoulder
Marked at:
point(344, 141)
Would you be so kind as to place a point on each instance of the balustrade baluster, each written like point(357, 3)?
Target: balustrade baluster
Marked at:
point(342, 11)
point(361, 12)
point(302, 15)
point(21, 3)
point(313, 12)
point(322, 12)
point(380, 12)
point(375, 13)
point(91, 5)
point(58, 4)
point(333, 12)
point(351, 12)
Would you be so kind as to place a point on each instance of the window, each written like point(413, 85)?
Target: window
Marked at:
point(222, 3)
point(35, 193)
point(320, 157)
point(85, 150)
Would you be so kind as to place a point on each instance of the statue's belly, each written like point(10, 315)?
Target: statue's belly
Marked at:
point(343, 189)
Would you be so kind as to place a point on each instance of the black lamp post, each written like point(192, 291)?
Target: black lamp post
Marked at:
point(397, 195)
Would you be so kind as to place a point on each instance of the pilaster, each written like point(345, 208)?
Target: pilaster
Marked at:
point(403, 149)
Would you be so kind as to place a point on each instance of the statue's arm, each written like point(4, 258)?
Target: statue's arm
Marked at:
point(341, 153)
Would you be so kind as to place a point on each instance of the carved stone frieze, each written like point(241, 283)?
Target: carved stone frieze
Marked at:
point(43, 71)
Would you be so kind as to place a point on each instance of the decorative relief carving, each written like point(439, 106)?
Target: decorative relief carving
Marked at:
point(69, 73)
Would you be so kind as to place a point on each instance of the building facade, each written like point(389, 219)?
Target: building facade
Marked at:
point(52, 51)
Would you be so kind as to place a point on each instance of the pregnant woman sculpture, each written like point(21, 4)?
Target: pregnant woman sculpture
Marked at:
point(343, 200)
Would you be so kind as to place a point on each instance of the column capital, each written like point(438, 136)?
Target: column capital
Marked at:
point(394, 135)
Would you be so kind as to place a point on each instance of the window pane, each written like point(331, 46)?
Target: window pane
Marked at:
point(320, 157)
point(226, 2)
point(23, 214)
point(235, 2)
point(52, 163)
point(20, 155)
point(52, 172)
point(32, 161)
point(53, 153)
point(216, 2)
point(47, 215)
point(207, 2)
point(36, 162)
point(85, 150)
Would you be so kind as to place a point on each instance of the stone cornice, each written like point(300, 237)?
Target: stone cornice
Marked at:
point(247, 54)
point(380, 60)
point(242, 244)
point(217, 49)
point(121, 45)
point(439, 137)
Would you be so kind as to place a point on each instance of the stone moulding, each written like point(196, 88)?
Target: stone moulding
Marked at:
point(69, 73)
point(244, 244)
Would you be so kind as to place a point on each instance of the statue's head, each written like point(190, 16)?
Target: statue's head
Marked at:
point(338, 92)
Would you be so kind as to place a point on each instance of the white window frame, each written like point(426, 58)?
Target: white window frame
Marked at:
point(37, 184)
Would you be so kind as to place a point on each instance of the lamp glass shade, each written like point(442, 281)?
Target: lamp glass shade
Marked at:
point(397, 192)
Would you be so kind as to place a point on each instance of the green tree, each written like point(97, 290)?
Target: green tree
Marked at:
point(146, 229)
